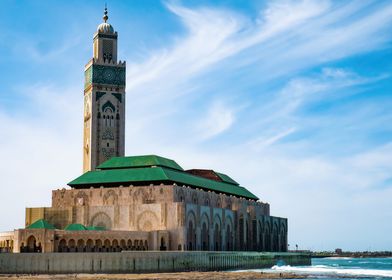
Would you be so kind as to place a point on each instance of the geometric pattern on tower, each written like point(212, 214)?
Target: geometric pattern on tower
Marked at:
point(108, 104)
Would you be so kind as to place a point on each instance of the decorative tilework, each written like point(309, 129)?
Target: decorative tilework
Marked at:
point(100, 74)
point(88, 77)
point(108, 135)
point(99, 95)
point(118, 96)
point(110, 75)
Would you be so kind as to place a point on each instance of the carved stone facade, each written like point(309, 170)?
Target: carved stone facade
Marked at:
point(156, 217)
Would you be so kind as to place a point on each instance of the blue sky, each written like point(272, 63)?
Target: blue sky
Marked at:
point(291, 98)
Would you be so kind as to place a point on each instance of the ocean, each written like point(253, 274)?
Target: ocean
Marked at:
point(349, 268)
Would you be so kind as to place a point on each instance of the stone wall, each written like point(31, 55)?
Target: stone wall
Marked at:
point(194, 219)
point(6, 241)
point(138, 262)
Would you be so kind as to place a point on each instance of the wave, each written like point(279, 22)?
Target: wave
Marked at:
point(375, 262)
point(322, 269)
point(338, 258)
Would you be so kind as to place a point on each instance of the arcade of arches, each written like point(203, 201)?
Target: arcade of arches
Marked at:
point(154, 217)
point(100, 245)
point(243, 234)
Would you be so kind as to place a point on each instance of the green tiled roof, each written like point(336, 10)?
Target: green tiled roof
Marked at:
point(75, 227)
point(155, 173)
point(139, 161)
point(41, 224)
point(82, 227)
point(226, 178)
point(95, 228)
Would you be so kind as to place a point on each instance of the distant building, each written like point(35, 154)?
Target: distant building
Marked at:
point(140, 202)
point(338, 251)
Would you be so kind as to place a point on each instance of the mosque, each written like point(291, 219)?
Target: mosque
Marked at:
point(140, 202)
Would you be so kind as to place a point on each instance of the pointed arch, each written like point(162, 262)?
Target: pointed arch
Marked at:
point(108, 105)
point(191, 231)
point(205, 229)
point(229, 234)
point(217, 233)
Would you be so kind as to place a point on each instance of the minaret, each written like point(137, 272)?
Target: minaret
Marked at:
point(104, 100)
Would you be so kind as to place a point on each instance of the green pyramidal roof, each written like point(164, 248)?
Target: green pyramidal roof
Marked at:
point(226, 178)
point(139, 161)
point(41, 224)
point(144, 170)
point(75, 227)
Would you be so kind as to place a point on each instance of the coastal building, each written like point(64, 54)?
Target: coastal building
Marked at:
point(140, 202)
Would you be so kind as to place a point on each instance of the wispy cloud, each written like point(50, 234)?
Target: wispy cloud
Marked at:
point(261, 143)
point(253, 52)
point(217, 120)
point(281, 66)
point(273, 101)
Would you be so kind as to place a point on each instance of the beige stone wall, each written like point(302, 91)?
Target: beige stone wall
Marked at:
point(174, 217)
point(132, 208)
point(6, 242)
point(40, 240)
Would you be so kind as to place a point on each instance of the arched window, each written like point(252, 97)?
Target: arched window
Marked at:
point(115, 246)
point(89, 245)
point(108, 110)
point(123, 245)
point(241, 229)
point(62, 246)
point(261, 237)
point(267, 237)
point(129, 245)
point(98, 245)
point(191, 234)
point(72, 245)
point(106, 245)
point(31, 244)
point(229, 238)
point(22, 248)
point(80, 246)
point(217, 238)
point(163, 244)
point(205, 239)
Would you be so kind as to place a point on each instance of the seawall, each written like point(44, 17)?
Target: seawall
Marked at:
point(143, 262)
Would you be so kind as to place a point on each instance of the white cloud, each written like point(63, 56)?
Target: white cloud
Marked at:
point(264, 142)
point(218, 119)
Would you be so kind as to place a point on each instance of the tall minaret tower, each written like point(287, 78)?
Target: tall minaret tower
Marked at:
point(104, 100)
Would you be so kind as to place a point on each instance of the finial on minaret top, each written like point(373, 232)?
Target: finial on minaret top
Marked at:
point(105, 27)
point(105, 14)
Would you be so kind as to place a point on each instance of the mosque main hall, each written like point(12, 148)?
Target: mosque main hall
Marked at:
point(148, 202)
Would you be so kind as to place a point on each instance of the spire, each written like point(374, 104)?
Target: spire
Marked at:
point(105, 14)
point(105, 27)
